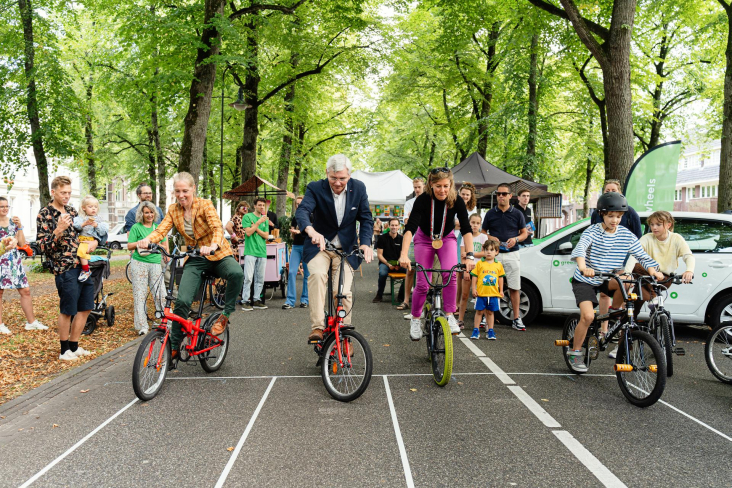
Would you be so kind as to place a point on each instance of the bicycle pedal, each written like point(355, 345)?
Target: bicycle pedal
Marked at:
point(680, 351)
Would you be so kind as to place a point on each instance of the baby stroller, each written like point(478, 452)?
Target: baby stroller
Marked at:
point(100, 270)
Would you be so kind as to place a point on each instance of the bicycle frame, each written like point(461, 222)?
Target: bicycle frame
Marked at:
point(435, 302)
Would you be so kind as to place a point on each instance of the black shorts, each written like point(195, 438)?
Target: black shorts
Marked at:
point(584, 292)
point(75, 296)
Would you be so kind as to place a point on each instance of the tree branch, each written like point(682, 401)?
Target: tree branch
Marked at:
point(602, 32)
point(261, 7)
point(330, 138)
point(583, 32)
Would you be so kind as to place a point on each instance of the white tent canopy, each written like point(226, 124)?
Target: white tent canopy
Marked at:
point(385, 188)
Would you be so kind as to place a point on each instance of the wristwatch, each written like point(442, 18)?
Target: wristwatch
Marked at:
point(470, 256)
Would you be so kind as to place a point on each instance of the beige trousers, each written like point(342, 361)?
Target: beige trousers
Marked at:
point(318, 286)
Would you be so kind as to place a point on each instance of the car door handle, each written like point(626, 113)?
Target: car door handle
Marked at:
point(719, 264)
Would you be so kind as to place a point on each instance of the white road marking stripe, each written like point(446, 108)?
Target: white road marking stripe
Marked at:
point(604, 475)
point(398, 433)
point(240, 444)
point(213, 378)
point(725, 436)
point(75, 446)
point(534, 407)
point(500, 374)
point(469, 344)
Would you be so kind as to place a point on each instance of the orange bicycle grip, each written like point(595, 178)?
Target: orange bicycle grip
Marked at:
point(622, 368)
point(561, 343)
point(653, 368)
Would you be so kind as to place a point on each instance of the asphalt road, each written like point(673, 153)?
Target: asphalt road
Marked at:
point(511, 416)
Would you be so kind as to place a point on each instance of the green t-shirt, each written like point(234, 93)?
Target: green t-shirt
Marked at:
point(255, 245)
point(137, 233)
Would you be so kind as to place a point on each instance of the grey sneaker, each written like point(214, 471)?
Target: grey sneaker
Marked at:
point(287, 306)
point(246, 307)
point(415, 329)
point(303, 305)
point(259, 305)
point(518, 324)
point(577, 360)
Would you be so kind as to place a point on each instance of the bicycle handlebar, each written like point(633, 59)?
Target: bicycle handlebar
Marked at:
point(157, 249)
point(331, 248)
point(457, 267)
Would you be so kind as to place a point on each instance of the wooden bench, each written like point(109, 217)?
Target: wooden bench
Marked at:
point(395, 279)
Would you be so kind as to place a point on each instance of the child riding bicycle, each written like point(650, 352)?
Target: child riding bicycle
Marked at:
point(603, 248)
point(487, 277)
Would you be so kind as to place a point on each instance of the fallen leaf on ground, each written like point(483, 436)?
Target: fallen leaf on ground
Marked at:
point(229, 449)
point(544, 400)
point(84, 391)
point(412, 389)
point(386, 345)
point(54, 426)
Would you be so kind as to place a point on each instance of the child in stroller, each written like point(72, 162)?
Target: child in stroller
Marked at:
point(100, 270)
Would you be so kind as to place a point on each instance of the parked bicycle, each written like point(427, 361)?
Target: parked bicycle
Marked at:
point(344, 356)
point(153, 359)
point(640, 366)
point(718, 352)
point(436, 329)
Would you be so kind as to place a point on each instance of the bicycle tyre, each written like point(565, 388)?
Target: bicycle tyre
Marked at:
point(127, 272)
point(146, 379)
point(341, 383)
point(218, 293)
point(568, 335)
point(641, 387)
point(442, 361)
point(212, 360)
point(720, 364)
point(663, 336)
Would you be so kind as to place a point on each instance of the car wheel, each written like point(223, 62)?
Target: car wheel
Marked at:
point(528, 305)
point(721, 311)
point(23, 254)
point(115, 246)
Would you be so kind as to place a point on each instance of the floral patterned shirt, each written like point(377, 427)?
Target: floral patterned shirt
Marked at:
point(61, 250)
point(238, 230)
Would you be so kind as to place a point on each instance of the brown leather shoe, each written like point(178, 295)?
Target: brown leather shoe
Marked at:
point(315, 336)
point(376, 299)
point(220, 325)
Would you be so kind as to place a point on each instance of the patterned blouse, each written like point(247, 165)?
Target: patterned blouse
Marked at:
point(238, 230)
point(60, 250)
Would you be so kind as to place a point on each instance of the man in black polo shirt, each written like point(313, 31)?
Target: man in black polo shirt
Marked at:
point(506, 224)
point(523, 199)
point(388, 250)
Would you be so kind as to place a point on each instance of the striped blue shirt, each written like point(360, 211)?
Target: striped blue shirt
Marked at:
point(606, 252)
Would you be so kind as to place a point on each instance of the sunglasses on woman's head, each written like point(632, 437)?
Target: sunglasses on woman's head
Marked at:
point(439, 170)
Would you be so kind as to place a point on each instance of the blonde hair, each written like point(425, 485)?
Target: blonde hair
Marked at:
point(662, 217)
point(184, 176)
point(141, 211)
point(60, 181)
point(441, 175)
point(87, 200)
point(613, 182)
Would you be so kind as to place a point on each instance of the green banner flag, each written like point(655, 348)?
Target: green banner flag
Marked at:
point(651, 183)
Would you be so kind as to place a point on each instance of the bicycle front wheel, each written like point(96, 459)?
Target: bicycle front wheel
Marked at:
point(212, 360)
point(718, 352)
point(147, 374)
point(441, 351)
point(643, 385)
point(663, 336)
point(347, 377)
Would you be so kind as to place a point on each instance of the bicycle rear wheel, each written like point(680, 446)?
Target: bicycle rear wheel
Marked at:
point(218, 293)
point(212, 360)
point(568, 335)
point(663, 336)
point(347, 382)
point(644, 385)
point(442, 352)
point(718, 352)
point(147, 376)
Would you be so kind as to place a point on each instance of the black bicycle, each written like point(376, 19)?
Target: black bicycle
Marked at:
point(436, 328)
point(640, 366)
point(344, 355)
point(718, 352)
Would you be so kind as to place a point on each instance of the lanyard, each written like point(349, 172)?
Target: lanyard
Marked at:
point(432, 220)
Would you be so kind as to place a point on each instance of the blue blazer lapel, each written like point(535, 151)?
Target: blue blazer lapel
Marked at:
point(328, 195)
point(349, 199)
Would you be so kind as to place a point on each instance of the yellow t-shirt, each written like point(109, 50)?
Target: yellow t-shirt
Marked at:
point(488, 275)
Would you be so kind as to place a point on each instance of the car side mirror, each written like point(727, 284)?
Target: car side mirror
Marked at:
point(565, 248)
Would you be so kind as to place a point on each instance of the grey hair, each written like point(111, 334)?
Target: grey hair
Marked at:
point(143, 205)
point(338, 162)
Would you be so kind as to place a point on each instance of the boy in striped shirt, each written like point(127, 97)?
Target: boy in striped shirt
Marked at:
point(602, 248)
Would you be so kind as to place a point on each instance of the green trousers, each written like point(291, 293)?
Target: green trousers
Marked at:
point(191, 280)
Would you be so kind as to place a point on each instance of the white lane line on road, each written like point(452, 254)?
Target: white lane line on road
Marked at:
point(534, 407)
point(211, 378)
point(398, 432)
point(725, 436)
point(240, 444)
point(75, 446)
point(604, 475)
point(469, 344)
point(500, 374)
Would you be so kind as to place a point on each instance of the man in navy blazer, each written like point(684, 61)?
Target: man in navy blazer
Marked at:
point(330, 209)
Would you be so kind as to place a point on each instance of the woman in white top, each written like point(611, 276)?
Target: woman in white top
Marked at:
point(467, 193)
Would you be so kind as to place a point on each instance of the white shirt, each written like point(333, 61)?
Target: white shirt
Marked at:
point(408, 207)
point(340, 208)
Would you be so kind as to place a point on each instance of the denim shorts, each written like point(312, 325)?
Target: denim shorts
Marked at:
point(75, 296)
point(487, 303)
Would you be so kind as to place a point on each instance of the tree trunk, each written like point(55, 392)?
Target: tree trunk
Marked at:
point(286, 150)
point(251, 97)
point(151, 162)
point(199, 106)
point(91, 166)
point(487, 92)
point(724, 201)
point(298, 162)
point(26, 15)
point(530, 164)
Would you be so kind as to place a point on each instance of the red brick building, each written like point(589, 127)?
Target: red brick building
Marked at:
point(697, 181)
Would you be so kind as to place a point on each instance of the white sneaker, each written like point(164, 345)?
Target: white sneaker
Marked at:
point(454, 326)
point(80, 351)
point(68, 356)
point(4, 330)
point(518, 324)
point(408, 316)
point(415, 329)
point(36, 325)
point(142, 331)
point(614, 353)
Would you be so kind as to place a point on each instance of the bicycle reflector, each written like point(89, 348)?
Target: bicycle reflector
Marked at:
point(342, 313)
point(653, 368)
point(633, 296)
point(623, 368)
point(561, 343)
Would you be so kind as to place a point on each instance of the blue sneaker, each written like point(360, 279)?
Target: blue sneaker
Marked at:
point(476, 334)
point(491, 335)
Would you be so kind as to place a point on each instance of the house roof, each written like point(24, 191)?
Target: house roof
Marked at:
point(694, 175)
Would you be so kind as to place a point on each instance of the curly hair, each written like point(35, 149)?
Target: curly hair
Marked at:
point(470, 204)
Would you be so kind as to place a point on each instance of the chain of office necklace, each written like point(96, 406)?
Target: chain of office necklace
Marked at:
point(437, 239)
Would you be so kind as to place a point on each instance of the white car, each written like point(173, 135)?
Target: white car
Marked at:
point(117, 238)
point(546, 269)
